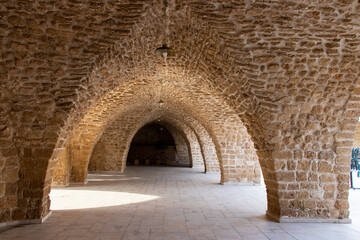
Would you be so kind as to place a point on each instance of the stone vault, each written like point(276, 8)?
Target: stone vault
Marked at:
point(271, 84)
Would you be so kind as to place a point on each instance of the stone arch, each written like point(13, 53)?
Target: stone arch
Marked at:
point(277, 64)
point(87, 150)
point(139, 32)
point(182, 146)
point(188, 127)
point(113, 146)
point(105, 74)
point(193, 143)
point(266, 108)
point(201, 137)
point(136, 118)
point(225, 127)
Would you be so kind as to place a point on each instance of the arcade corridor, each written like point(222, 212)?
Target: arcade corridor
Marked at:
point(245, 88)
point(170, 203)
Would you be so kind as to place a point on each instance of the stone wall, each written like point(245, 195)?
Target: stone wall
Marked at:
point(108, 153)
point(356, 142)
point(286, 71)
point(111, 151)
point(182, 144)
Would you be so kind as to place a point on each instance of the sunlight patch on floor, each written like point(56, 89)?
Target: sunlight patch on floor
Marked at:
point(69, 199)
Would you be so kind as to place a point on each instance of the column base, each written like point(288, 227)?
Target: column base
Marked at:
point(307, 220)
point(240, 184)
point(6, 225)
point(77, 183)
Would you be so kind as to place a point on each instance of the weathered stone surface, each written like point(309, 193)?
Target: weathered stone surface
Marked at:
point(110, 152)
point(273, 78)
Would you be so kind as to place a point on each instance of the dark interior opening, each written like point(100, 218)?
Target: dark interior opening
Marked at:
point(153, 144)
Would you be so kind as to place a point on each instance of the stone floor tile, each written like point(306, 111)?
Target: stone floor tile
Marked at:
point(73, 232)
point(201, 232)
point(271, 229)
point(135, 235)
point(307, 236)
point(279, 236)
point(332, 235)
point(156, 236)
point(174, 203)
point(226, 234)
point(109, 236)
point(15, 237)
point(113, 228)
point(175, 227)
point(247, 229)
point(175, 236)
point(202, 238)
point(253, 236)
point(75, 238)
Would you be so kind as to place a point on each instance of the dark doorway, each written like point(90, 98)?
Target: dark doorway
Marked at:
point(153, 144)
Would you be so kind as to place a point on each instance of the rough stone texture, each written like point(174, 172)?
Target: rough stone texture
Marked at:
point(356, 142)
point(239, 156)
point(286, 71)
point(182, 144)
point(110, 152)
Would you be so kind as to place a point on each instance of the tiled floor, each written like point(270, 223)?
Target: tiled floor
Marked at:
point(170, 204)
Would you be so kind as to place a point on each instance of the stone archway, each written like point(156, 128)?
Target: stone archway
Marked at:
point(289, 72)
point(84, 142)
point(111, 152)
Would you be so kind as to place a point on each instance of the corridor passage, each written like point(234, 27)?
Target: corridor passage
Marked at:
point(170, 203)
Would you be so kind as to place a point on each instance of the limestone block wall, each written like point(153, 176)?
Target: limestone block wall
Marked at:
point(195, 150)
point(9, 164)
point(356, 142)
point(172, 86)
point(184, 157)
point(107, 153)
point(61, 173)
point(189, 137)
point(287, 69)
point(249, 169)
point(9, 168)
point(208, 150)
point(110, 152)
point(239, 159)
point(117, 150)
